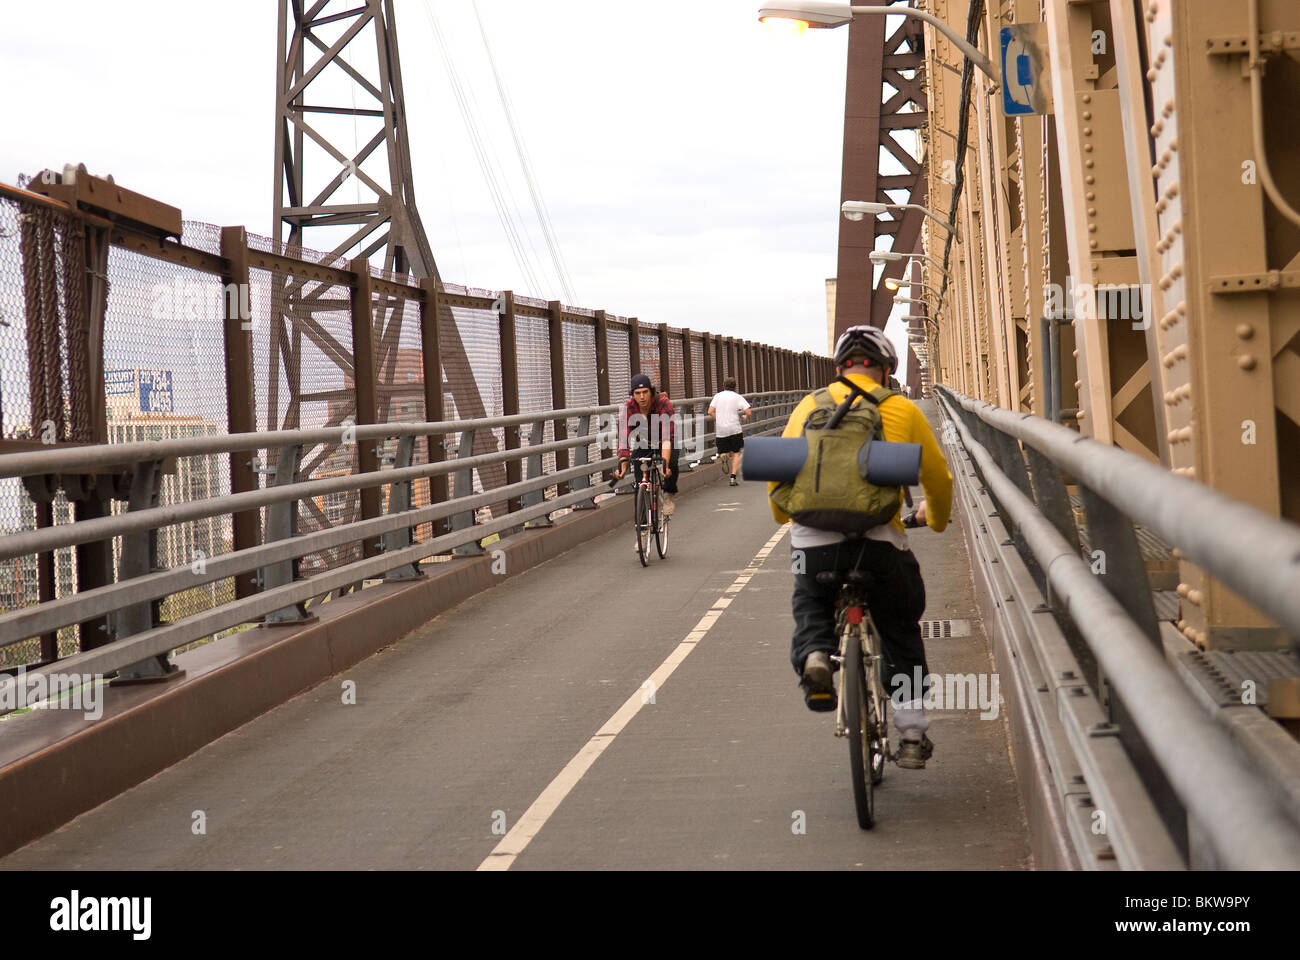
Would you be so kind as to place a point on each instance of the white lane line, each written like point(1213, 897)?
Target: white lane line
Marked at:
point(526, 827)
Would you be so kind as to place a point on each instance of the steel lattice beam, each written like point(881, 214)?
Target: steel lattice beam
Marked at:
point(880, 52)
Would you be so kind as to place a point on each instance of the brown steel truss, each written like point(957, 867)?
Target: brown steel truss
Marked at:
point(872, 115)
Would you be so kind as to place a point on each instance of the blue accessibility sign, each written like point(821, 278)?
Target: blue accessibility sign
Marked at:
point(1025, 79)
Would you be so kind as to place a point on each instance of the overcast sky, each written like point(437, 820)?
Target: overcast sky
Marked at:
point(690, 162)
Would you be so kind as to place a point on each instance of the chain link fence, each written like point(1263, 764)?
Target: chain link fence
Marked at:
point(164, 377)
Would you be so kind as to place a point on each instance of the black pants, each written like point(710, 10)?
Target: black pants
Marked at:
point(895, 597)
point(667, 484)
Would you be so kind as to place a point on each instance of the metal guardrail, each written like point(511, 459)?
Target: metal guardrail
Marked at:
point(1229, 805)
point(283, 593)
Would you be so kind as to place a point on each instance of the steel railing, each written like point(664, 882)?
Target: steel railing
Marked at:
point(284, 591)
point(1023, 462)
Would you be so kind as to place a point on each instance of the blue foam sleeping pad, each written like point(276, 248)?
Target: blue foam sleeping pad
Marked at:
point(779, 459)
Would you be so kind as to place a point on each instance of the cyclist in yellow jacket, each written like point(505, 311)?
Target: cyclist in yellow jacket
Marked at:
point(896, 598)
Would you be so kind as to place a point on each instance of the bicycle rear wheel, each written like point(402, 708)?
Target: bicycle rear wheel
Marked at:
point(857, 712)
point(642, 521)
point(661, 526)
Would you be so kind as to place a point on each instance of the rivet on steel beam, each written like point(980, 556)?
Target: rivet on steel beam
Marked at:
point(1176, 553)
point(1092, 228)
point(1155, 170)
point(1245, 331)
point(1151, 75)
point(1168, 109)
point(1089, 179)
point(1087, 115)
point(1087, 131)
point(1087, 148)
point(1081, 415)
point(1090, 195)
point(1246, 362)
point(1182, 590)
point(1195, 596)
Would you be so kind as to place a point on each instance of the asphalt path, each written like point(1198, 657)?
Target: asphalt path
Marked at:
point(460, 727)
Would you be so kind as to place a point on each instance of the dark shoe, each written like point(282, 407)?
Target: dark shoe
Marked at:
point(818, 690)
point(733, 481)
point(912, 754)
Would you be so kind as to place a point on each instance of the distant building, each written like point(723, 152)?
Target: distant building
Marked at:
point(19, 580)
point(196, 478)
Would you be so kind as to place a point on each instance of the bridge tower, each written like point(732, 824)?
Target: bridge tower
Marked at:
point(323, 43)
point(884, 93)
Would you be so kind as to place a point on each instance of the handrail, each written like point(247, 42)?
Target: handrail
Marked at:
point(1255, 554)
point(23, 623)
point(84, 459)
point(1240, 815)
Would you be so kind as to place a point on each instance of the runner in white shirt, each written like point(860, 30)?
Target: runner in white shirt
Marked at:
point(727, 409)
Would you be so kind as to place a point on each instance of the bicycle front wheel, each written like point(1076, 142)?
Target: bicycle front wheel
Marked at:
point(857, 712)
point(642, 520)
point(661, 526)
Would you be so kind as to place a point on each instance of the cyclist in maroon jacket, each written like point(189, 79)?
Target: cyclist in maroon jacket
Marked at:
point(646, 424)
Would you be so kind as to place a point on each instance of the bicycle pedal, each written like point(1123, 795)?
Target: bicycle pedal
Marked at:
point(820, 701)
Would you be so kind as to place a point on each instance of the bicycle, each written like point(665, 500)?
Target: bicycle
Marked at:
point(647, 509)
point(862, 713)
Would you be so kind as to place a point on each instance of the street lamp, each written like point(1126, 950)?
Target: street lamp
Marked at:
point(879, 257)
point(858, 209)
point(912, 283)
point(807, 13)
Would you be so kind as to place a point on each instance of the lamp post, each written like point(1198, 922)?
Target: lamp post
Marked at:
point(858, 209)
point(803, 14)
point(880, 257)
point(911, 283)
point(924, 303)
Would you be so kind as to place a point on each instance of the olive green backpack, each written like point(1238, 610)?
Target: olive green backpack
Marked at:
point(831, 491)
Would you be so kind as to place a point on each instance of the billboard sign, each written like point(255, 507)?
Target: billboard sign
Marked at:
point(118, 383)
point(156, 391)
